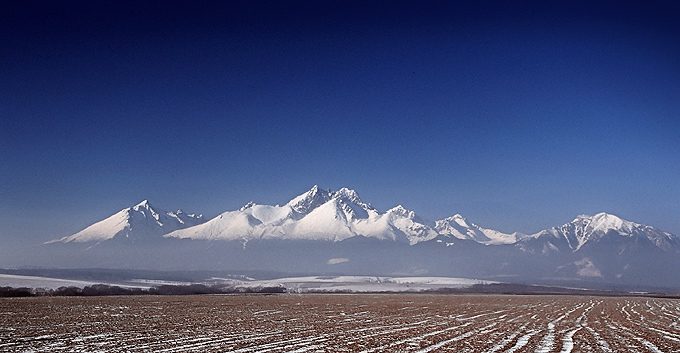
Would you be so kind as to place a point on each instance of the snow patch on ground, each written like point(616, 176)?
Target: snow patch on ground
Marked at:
point(19, 281)
point(357, 283)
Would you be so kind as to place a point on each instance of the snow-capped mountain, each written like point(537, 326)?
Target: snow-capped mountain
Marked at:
point(139, 222)
point(458, 227)
point(326, 215)
point(601, 229)
point(324, 230)
point(317, 214)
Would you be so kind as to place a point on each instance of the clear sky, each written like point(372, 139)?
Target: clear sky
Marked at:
point(517, 115)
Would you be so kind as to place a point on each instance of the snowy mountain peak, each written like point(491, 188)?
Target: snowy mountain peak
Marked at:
point(608, 221)
point(317, 214)
point(144, 209)
point(137, 222)
point(347, 194)
point(250, 204)
point(601, 228)
point(458, 227)
point(142, 205)
point(458, 219)
point(320, 214)
point(586, 226)
point(399, 210)
point(350, 196)
point(310, 200)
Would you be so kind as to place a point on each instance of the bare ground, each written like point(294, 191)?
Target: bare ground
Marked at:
point(340, 323)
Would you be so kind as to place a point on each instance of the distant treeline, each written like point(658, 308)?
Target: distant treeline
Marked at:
point(104, 289)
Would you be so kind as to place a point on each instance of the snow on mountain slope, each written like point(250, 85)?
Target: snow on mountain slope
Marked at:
point(326, 215)
point(230, 225)
point(458, 227)
point(329, 221)
point(310, 200)
point(141, 221)
point(587, 230)
point(314, 215)
point(408, 223)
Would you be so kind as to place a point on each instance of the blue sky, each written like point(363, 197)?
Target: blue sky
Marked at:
point(518, 115)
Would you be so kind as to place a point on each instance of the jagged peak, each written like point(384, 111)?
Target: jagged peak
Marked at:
point(397, 208)
point(146, 210)
point(455, 217)
point(144, 204)
point(347, 193)
point(248, 205)
point(351, 196)
point(401, 211)
point(309, 200)
point(313, 192)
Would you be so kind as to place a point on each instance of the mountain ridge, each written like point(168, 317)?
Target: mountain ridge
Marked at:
point(325, 215)
point(138, 222)
point(329, 232)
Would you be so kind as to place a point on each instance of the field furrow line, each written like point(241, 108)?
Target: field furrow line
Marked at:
point(604, 346)
point(454, 339)
point(549, 339)
point(294, 342)
point(500, 345)
point(666, 334)
point(568, 341)
point(522, 341)
point(414, 338)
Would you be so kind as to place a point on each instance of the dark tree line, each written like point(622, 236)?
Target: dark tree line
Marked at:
point(104, 289)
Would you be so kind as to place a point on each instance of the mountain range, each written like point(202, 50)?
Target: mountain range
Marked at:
point(337, 231)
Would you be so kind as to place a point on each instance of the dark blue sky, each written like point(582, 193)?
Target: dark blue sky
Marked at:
point(518, 115)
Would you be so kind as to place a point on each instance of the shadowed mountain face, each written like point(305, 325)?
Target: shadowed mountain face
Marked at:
point(324, 231)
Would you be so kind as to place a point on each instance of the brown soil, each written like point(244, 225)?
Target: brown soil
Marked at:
point(340, 323)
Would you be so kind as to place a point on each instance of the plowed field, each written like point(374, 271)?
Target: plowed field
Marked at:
point(340, 323)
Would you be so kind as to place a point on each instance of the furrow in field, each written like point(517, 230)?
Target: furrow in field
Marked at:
point(507, 340)
point(548, 340)
point(414, 338)
point(454, 339)
point(522, 341)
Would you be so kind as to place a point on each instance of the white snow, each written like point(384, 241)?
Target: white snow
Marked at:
point(314, 215)
point(332, 216)
point(18, 281)
point(586, 229)
point(458, 227)
point(136, 222)
point(358, 283)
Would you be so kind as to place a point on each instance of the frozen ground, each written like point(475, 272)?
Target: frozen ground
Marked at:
point(339, 323)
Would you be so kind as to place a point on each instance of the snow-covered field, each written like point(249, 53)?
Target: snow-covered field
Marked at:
point(340, 323)
point(18, 281)
point(357, 284)
point(292, 284)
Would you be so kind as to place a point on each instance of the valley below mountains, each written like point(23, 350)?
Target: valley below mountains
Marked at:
point(325, 232)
